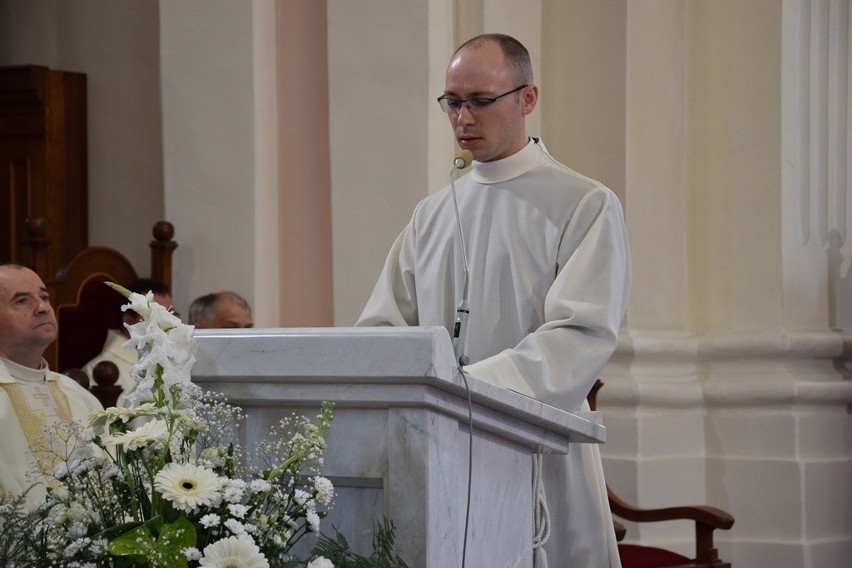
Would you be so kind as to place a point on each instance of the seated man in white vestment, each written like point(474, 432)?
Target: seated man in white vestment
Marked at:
point(114, 351)
point(549, 272)
point(32, 397)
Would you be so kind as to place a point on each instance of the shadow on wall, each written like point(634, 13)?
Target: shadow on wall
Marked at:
point(839, 282)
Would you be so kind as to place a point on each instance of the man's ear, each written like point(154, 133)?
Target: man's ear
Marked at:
point(529, 99)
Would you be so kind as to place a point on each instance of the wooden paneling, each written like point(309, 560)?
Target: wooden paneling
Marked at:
point(43, 162)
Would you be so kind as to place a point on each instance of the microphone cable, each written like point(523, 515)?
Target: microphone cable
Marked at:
point(463, 160)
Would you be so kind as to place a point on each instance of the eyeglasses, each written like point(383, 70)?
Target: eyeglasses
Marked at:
point(454, 106)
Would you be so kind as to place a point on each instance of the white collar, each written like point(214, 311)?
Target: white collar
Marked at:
point(22, 373)
point(531, 156)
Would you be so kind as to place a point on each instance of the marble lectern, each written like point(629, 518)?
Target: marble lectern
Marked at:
point(399, 443)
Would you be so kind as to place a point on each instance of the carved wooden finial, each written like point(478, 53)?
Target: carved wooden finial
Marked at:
point(163, 231)
point(105, 375)
point(36, 227)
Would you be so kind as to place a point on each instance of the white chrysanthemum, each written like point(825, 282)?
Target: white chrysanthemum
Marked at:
point(209, 520)
point(234, 490)
point(320, 562)
point(313, 521)
point(188, 486)
point(232, 552)
point(60, 492)
point(76, 531)
point(238, 510)
point(325, 489)
point(236, 527)
point(74, 512)
point(148, 433)
point(301, 497)
point(191, 553)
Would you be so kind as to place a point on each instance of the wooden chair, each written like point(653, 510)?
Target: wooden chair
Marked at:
point(85, 307)
point(706, 518)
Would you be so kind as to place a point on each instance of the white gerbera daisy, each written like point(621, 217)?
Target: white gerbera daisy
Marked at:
point(121, 413)
point(320, 562)
point(232, 552)
point(188, 486)
point(148, 433)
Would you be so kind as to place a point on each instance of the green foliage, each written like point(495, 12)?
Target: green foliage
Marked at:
point(160, 543)
point(383, 556)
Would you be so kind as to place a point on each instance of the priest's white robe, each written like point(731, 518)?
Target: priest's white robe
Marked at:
point(549, 272)
point(30, 401)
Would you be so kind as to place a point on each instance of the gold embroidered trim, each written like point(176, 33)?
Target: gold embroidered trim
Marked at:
point(32, 422)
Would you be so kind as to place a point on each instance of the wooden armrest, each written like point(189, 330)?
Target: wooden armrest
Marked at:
point(705, 514)
point(620, 531)
point(706, 518)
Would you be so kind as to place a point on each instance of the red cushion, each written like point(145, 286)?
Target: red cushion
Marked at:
point(83, 327)
point(637, 556)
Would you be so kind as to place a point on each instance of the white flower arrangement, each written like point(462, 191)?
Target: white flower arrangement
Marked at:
point(161, 483)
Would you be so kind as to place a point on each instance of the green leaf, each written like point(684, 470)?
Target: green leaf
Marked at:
point(156, 544)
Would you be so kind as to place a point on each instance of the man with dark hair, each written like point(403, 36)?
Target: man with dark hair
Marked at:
point(220, 310)
point(114, 350)
point(544, 260)
point(32, 397)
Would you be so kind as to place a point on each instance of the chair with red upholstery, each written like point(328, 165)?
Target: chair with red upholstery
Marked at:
point(706, 519)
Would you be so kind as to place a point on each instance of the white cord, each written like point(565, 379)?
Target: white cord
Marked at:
point(541, 516)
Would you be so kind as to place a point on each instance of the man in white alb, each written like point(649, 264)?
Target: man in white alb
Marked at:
point(32, 397)
point(549, 275)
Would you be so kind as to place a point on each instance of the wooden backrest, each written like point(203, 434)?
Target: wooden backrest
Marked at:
point(85, 307)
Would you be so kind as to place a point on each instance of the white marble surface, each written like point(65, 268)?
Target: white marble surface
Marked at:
point(398, 446)
point(367, 357)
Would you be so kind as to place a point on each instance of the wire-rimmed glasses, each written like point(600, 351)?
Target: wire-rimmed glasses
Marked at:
point(452, 105)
